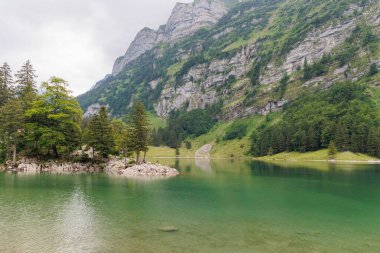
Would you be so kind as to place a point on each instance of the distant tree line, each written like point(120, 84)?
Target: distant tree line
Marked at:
point(344, 115)
point(182, 124)
point(49, 123)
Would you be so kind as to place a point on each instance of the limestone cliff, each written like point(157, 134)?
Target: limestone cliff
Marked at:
point(242, 57)
point(185, 20)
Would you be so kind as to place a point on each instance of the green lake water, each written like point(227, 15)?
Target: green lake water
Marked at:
point(222, 206)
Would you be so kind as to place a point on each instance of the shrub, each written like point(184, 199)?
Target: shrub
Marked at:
point(373, 69)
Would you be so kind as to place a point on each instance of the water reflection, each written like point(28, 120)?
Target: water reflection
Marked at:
point(234, 206)
point(77, 228)
point(203, 164)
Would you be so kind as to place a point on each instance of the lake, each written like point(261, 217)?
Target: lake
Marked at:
point(221, 206)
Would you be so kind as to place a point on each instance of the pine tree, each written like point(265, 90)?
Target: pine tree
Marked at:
point(100, 134)
point(11, 126)
point(6, 73)
point(373, 69)
point(342, 137)
point(312, 139)
point(27, 93)
point(307, 71)
point(26, 89)
point(26, 80)
point(188, 145)
point(373, 142)
point(139, 130)
point(6, 82)
point(332, 151)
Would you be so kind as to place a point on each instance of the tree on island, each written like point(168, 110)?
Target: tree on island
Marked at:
point(120, 135)
point(26, 91)
point(6, 82)
point(26, 85)
point(11, 126)
point(99, 134)
point(138, 131)
point(54, 118)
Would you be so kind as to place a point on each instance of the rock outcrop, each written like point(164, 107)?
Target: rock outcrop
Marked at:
point(312, 48)
point(92, 110)
point(199, 85)
point(185, 20)
point(145, 40)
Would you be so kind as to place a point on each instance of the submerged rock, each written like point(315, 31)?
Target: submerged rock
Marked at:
point(168, 229)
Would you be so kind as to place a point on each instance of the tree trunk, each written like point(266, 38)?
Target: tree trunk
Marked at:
point(144, 157)
point(125, 158)
point(55, 151)
point(14, 154)
point(137, 157)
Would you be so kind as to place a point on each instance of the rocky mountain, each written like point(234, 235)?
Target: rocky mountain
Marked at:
point(255, 56)
point(184, 21)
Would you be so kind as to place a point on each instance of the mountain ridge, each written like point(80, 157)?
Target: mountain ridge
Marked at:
point(185, 20)
point(244, 56)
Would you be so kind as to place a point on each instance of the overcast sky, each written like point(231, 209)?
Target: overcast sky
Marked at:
point(77, 40)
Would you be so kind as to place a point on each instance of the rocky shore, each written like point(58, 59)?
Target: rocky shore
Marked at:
point(114, 166)
point(145, 170)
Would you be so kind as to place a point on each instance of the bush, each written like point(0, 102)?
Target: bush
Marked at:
point(83, 158)
point(373, 69)
point(188, 145)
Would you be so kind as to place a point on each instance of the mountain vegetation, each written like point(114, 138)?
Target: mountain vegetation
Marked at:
point(317, 62)
point(344, 115)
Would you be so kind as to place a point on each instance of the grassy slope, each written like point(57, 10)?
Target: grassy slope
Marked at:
point(223, 149)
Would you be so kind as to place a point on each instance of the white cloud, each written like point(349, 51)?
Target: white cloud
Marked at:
point(77, 40)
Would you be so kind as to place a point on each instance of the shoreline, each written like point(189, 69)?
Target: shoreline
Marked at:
point(114, 166)
point(314, 160)
point(269, 159)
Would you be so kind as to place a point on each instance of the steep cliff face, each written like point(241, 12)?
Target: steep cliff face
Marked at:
point(243, 57)
point(319, 42)
point(200, 85)
point(145, 40)
point(185, 20)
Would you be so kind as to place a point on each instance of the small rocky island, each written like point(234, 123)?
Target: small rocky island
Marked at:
point(113, 166)
point(150, 170)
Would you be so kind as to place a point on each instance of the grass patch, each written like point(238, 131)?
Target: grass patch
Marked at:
point(156, 152)
point(155, 121)
point(175, 68)
point(320, 155)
